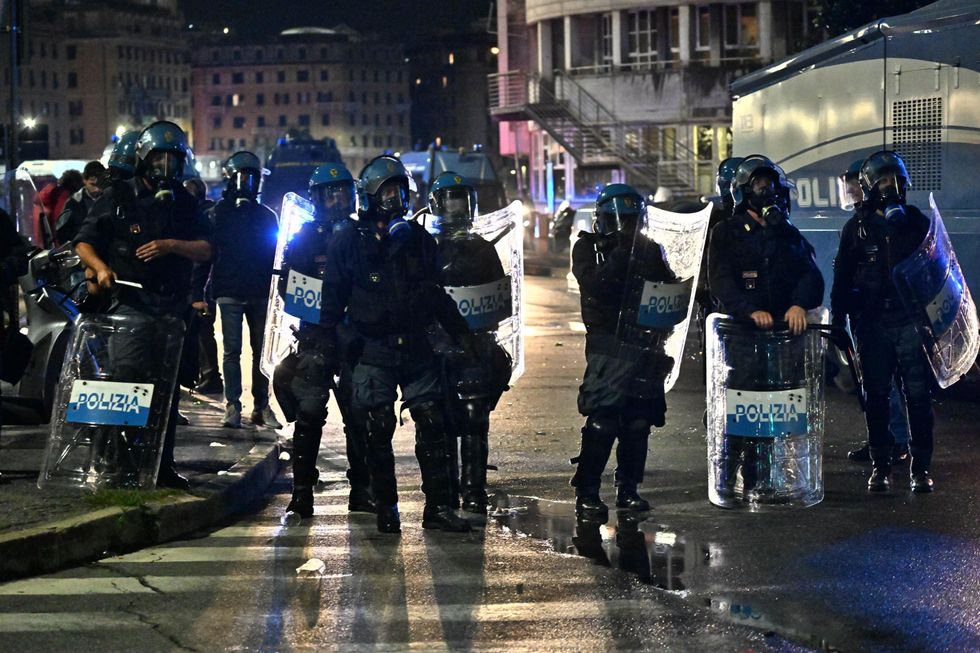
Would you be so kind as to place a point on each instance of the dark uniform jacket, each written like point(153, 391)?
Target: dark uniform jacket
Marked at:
point(602, 264)
point(755, 268)
point(870, 247)
point(73, 215)
point(244, 249)
point(307, 254)
point(391, 291)
point(468, 261)
point(127, 216)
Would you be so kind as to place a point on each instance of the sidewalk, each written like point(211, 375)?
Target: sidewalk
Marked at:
point(42, 531)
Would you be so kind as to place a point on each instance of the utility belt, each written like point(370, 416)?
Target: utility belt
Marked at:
point(393, 350)
point(154, 303)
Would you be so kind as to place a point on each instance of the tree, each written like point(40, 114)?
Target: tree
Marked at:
point(835, 17)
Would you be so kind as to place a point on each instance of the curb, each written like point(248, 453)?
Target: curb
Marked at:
point(112, 531)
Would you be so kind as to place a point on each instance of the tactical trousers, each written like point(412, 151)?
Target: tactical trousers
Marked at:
point(129, 353)
point(469, 443)
point(375, 391)
point(888, 346)
point(601, 431)
point(311, 386)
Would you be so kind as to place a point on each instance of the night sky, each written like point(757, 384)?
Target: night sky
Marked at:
point(405, 21)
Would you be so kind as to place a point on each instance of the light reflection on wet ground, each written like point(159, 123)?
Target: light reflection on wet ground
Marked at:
point(656, 554)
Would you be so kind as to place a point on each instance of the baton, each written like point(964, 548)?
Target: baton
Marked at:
point(842, 340)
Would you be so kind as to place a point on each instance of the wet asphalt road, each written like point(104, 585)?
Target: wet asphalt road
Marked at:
point(857, 572)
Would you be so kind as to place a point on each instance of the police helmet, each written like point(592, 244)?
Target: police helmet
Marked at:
point(849, 191)
point(122, 158)
point(452, 202)
point(723, 180)
point(618, 208)
point(384, 189)
point(751, 168)
point(243, 175)
point(880, 166)
point(282, 380)
point(333, 192)
point(161, 150)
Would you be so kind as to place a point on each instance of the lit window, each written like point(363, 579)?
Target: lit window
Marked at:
point(741, 26)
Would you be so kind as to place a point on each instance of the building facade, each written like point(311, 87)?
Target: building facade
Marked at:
point(449, 91)
point(608, 90)
point(327, 83)
point(94, 69)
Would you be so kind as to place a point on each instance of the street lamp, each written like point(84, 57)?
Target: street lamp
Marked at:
point(30, 123)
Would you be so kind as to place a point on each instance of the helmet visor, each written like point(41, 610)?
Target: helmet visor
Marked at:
point(619, 214)
point(334, 201)
point(393, 197)
point(164, 165)
point(849, 193)
point(245, 183)
point(454, 205)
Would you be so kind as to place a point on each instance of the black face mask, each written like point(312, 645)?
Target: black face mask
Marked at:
point(759, 200)
point(891, 197)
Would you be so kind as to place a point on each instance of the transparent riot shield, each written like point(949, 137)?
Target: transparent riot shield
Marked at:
point(113, 402)
point(498, 305)
point(657, 308)
point(302, 300)
point(934, 291)
point(765, 414)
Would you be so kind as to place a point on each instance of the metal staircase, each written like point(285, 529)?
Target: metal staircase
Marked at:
point(592, 134)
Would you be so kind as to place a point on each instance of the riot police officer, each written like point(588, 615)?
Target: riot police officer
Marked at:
point(147, 230)
point(122, 159)
point(472, 384)
point(334, 199)
point(851, 197)
point(760, 267)
point(622, 391)
point(244, 241)
point(722, 210)
point(884, 232)
point(384, 275)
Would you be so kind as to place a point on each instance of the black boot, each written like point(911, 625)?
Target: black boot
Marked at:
point(590, 508)
point(381, 459)
point(921, 482)
point(389, 520)
point(444, 518)
point(598, 435)
point(168, 477)
point(881, 458)
point(474, 450)
point(628, 499)
point(631, 458)
point(861, 455)
point(433, 456)
point(360, 499)
point(301, 502)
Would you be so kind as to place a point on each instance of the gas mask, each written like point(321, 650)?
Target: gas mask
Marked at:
point(243, 186)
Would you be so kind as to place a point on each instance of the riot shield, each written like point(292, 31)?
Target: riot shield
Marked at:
point(656, 308)
point(498, 305)
point(113, 402)
point(302, 300)
point(765, 414)
point(934, 292)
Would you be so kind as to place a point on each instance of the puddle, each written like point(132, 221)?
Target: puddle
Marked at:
point(636, 543)
point(653, 552)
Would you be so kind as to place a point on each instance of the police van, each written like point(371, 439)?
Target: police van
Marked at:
point(909, 83)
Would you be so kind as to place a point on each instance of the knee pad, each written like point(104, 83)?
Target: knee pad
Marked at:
point(477, 413)
point(604, 426)
point(637, 429)
point(380, 422)
point(428, 416)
